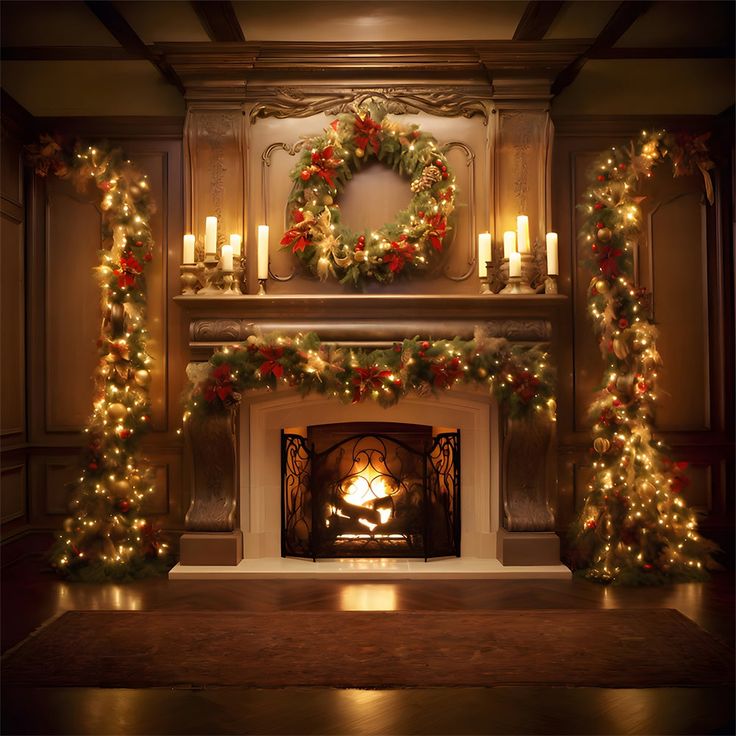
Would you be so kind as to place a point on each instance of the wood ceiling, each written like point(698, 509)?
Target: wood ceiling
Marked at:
point(102, 58)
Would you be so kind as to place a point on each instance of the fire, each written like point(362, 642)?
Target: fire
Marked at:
point(362, 492)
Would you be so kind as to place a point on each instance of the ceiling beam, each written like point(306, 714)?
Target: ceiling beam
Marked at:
point(219, 20)
point(120, 29)
point(536, 20)
point(620, 22)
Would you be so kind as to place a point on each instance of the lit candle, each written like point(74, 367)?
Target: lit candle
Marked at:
point(553, 268)
point(188, 255)
point(226, 258)
point(515, 265)
point(484, 253)
point(263, 251)
point(210, 235)
point(235, 241)
point(522, 228)
point(509, 243)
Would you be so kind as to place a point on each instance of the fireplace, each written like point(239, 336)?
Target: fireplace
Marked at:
point(370, 489)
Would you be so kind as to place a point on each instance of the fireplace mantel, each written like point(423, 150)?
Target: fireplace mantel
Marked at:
point(370, 319)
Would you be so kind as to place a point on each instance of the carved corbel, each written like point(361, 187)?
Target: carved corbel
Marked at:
point(211, 448)
point(526, 497)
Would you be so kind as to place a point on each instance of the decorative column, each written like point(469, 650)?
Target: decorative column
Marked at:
point(527, 535)
point(211, 452)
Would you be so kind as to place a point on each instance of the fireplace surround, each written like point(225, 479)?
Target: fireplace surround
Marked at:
point(506, 505)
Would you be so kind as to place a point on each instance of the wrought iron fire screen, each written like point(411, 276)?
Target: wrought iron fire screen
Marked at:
point(371, 494)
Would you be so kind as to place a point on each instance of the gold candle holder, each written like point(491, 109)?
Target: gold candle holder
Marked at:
point(550, 284)
point(189, 278)
point(520, 284)
point(210, 275)
point(262, 287)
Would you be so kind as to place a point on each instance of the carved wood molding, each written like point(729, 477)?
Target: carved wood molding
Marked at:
point(214, 331)
point(300, 102)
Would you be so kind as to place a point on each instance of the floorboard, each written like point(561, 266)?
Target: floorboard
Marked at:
point(32, 595)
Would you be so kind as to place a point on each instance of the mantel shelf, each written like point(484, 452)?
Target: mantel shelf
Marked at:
point(349, 307)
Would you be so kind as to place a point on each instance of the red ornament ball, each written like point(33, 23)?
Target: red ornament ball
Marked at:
point(598, 206)
point(439, 162)
point(617, 402)
point(642, 386)
point(425, 345)
point(623, 323)
point(139, 243)
point(124, 434)
point(622, 166)
point(124, 505)
point(92, 466)
point(148, 257)
point(445, 175)
point(420, 213)
point(421, 353)
point(306, 174)
point(397, 382)
point(600, 177)
point(592, 524)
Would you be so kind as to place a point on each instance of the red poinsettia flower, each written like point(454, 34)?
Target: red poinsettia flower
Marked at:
point(366, 380)
point(271, 363)
point(401, 253)
point(324, 164)
point(607, 262)
point(525, 385)
point(128, 270)
point(366, 133)
point(437, 231)
point(220, 384)
point(446, 372)
point(298, 237)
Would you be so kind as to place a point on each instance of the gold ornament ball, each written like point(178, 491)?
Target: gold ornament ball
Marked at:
point(327, 200)
point(482, 372)
point(604, 234)
point(359, 152)
point(359, 256)
point(601, 445)
point(142, 377)
point(601, 286)
point(103, 370)
point(117, 411)
point(120, 487)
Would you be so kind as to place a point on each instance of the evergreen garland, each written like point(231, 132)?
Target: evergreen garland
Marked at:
point(634, 528)
point(106, 536)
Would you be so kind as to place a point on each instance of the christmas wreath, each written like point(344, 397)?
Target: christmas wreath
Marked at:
point(328, 161)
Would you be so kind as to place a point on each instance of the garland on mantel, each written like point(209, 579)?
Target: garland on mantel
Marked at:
point(634, 528)
point(410, 243)
point(106, 537)
point(520, 377)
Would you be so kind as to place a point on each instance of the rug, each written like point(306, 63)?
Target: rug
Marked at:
point(381, 649)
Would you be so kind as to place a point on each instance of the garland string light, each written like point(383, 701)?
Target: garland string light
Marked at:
point(106, 536)
point(634, 527)
point(519, 376)
point(410, 243)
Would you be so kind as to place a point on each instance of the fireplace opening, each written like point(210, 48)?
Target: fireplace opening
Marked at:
point(370, 489)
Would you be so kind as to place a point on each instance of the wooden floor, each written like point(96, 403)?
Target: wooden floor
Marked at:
point(31, 596)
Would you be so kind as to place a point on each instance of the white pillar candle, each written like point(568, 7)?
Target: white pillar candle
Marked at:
point(235, 241)
point(226, 258)
point(188, 254)
point(515, 264)
point(263, 251)
point(522, 229)
point(509, 243)
point(210, 235)
point(484, 253)
point(553, 268)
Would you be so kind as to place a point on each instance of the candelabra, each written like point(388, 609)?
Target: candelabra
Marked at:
point(209, 278)
point(532, 277)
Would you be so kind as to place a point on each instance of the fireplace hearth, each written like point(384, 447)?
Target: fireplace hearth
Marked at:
point(370, 489)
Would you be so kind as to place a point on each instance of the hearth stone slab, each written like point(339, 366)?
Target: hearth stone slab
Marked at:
point(462, 568)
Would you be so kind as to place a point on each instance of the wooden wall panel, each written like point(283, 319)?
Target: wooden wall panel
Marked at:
point(677, 264)
point(12, 335)
point(72, 304)
point(12, 492)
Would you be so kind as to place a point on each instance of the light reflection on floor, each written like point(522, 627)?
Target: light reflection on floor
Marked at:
point(105, 597)
point(369, 597)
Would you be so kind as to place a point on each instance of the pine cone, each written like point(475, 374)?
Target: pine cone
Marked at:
point(429, 176)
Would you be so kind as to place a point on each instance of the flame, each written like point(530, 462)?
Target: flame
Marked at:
point(362, 491)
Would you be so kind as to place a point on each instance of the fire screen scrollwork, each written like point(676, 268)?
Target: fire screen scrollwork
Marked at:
point(371, 495)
